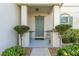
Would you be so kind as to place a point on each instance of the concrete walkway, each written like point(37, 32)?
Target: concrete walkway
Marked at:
point(40, 52)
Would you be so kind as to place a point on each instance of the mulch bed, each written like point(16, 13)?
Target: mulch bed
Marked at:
point(53, 51)
point(28, 51)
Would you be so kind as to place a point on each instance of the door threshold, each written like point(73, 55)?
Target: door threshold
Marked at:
point(39, 38)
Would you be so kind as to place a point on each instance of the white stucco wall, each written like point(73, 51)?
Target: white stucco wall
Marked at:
point(9, 17)
point(73, 11)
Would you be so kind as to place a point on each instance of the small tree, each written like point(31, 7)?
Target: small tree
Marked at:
point(21, 29)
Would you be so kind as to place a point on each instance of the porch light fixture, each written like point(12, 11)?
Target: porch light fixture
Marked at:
point(37, 9)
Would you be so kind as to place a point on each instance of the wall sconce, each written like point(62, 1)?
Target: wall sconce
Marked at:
point(37, 9)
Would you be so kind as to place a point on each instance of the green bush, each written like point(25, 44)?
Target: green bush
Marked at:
point(72, 50)
point(77, 33)
point(62, 27)
point(14, 51)
point(70, 36)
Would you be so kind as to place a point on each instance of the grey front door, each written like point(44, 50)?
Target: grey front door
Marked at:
point(39, 25)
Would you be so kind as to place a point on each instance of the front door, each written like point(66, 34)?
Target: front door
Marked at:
point(39, 27)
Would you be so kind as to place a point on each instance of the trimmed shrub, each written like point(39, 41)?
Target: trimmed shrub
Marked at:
point(62, 27)
point(72, 50)
point(70, 36)
point(21, 29)
point(14, 51)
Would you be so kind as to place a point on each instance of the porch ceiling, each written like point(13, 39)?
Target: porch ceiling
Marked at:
point(41, 9)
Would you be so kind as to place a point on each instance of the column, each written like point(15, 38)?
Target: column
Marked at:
point(56, 15)
point(56, 11)
point(24, 21)
point(24, 15)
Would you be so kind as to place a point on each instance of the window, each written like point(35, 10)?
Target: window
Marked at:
point(66, 19)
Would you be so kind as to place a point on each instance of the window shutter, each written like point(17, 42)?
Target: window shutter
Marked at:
point(61, 18)
point(71, 20)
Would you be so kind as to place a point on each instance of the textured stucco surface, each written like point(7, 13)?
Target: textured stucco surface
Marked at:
point(9, 17)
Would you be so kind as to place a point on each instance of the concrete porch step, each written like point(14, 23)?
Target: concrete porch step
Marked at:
point(40, 43)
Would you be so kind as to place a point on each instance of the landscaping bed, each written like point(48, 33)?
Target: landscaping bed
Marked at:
point(28, 51)
point(70, 40)
point(53, 51)
point(71, 50)
point(17, 51)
